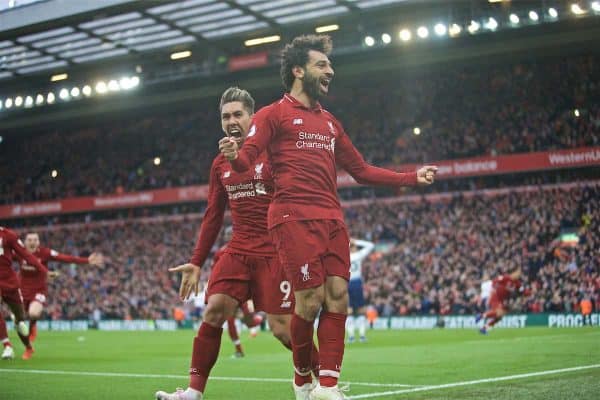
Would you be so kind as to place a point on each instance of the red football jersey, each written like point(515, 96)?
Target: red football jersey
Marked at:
point(248, 194)
point(9, 243)
point(32, 281)
point(504, 287)
point(304, 146)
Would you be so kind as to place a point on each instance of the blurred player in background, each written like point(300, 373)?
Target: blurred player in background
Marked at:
point(248, 267)
point(251, 319)
point(503, 288)
point(305, 145)
point(34, 285)
point(359, 251)
point(10, 293)
point(486, 292)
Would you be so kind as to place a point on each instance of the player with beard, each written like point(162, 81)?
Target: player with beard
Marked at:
point(10, 293)
point(305, 145)
point(248, 267)
point(34, 284)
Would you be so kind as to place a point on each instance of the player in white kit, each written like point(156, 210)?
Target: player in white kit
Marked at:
point(359, 251)
point(486, 292)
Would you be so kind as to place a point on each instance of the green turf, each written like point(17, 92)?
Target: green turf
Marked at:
point(419, 358)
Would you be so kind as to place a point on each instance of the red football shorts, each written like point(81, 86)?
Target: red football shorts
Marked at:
point(261, 279)
point(312, 250)
point(496, 302)
point(11, 295)
point(40, 296)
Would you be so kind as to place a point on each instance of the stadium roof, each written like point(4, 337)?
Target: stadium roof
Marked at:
point(151, 25)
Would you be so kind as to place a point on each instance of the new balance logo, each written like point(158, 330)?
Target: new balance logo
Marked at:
point(297, 121)
point(285, 304)
point(304, 272)
point(227, 174)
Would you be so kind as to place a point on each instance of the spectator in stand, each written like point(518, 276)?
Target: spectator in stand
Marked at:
point(459, 240)
point(501, 109)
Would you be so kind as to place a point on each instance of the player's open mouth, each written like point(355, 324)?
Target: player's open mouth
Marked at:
point(235, 132)
point(325, 83)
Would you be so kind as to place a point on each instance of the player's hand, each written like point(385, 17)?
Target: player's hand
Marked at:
point(53, 274)
point(190, 277)
point(426, 174)
point(96, 259)
point(229, 148)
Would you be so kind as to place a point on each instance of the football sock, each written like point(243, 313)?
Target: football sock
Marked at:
point(204, 355)
point(361, 321)
point(4, 332)
point(331, 347)
point(301, 332)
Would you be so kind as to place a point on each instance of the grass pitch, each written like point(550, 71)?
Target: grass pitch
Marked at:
point(531, 363)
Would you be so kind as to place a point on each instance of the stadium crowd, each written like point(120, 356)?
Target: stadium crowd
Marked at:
point(445, 250)
point(432, 255)
point(461, 111)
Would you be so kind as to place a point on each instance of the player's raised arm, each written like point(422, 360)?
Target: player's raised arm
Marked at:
point(364, 247)
point(20, 251)
point(95, 259)
point(212, 220)
point(349, 158)
point(262, 130)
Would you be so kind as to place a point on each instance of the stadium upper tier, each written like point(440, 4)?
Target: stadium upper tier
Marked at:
point(458, 111)
point(434, 254)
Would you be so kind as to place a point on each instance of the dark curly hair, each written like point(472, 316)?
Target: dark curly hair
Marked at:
point(296, 54)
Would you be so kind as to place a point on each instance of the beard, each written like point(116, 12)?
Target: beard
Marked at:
point(312, 86)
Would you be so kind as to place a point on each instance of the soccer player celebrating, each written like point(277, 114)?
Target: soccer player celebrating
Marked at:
point(35, 284)
point(9, 287)
point(503, 288)
point(305, 144)
point(359, 251)
point(251, 319)
point(249, 266)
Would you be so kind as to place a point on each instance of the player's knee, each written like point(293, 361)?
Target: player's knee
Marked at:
point(338, 293)
point(309, 307)
point(214, 315)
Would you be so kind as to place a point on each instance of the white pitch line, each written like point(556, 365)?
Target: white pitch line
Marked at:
point(475, 382)
point(216, 378)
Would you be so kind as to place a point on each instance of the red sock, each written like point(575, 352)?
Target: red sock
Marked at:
point(204, 355)
point(233, 333)
point(301, 332)
point(494, 321)
point(490, 314)
point(32, 329)
point(25, 341)
point(3, 331)
point(315, 359)
point(331, 332)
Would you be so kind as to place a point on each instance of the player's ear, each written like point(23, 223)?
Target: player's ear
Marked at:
point(298, 72)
